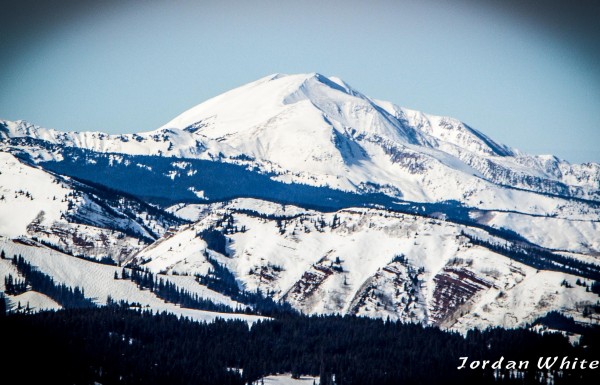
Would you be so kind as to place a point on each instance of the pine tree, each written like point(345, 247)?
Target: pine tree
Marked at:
point(3, 306)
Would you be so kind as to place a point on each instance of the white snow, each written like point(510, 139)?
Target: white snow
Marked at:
point(27, 193)
point(554, 233)
point(286, 379)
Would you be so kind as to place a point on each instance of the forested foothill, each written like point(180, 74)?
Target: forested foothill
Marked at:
point(118, 345)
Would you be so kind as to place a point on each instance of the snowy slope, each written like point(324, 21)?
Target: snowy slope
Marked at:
point(369, 262)
point(572, 235)
point(72, 217)
point(30, 299)
point(153, 143)
point(38, 209)
point(27, 192)
point(97, 281)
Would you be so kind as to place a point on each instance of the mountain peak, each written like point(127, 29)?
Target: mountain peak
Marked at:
point(315, 129)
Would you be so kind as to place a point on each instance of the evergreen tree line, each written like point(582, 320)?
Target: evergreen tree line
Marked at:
point(219, 279)
point(14, 286)
point(558, 321)
point(3, 305)
point(270, 217)
point(215, 240)
point(540, 259)
point(64, 295)
point(595, 287)
point(113, 345)
point(170, 292)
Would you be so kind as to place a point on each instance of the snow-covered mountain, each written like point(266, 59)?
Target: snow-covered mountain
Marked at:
point(370, 262)
point(73, 217)
point(77, 234)
point(320, 131)
point(350, 205)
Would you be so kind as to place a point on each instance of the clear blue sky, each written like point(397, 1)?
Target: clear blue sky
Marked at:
point(527, 76)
